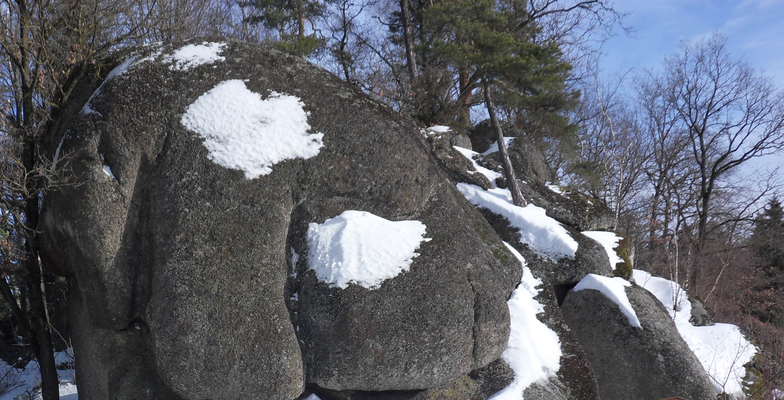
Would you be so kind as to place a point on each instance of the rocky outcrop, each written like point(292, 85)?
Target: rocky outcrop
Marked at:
point(185, 266)
point(651, 362)
point(191, 244)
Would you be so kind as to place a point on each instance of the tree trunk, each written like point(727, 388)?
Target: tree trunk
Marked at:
point(511, 181)
point(41, 336)
point(464, 113)
point(50, 383)
point(408, 41)
point(300, 20)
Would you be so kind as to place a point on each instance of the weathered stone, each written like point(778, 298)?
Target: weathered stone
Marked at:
point(575, 209)
point(574, 380)
point(701, 315)
point(632, 363)
point(460, 139)
point(482, 136)
point(528, 161)
point(455, 164)
point(590, 257)
point(478, 385)
point(624, 250)
point(199, 257)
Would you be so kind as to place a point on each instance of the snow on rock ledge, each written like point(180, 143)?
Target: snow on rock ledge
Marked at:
point(544, 234)
point(613, 289)
point(534, 350)
point(362, 248)
point(608, 240)
point(243, 131)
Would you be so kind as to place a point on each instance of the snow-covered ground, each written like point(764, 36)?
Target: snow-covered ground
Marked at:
point(26, 382)
point(721, 348)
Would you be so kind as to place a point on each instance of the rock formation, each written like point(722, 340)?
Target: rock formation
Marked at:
point(649, 362)
point(187, 260)
point(211, 231)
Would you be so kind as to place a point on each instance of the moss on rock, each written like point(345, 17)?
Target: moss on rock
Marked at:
point(624, 250)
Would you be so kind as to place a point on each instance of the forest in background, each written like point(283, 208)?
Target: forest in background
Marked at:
point(674, 152)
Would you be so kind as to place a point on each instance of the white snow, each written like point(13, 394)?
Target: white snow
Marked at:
point(362, 248)
point(28, 380)
point(193, 55)
point(556, 189)
point(243, 131)
point(108, 172)
point(608, 240)
point(313, 397)
point(106, 169)
point(544, 234)
point(721, 348)
point(488, 173)
point(121, 69)
point(534, 350)
point(439, 129)
point(613, 289)
point(494, 147)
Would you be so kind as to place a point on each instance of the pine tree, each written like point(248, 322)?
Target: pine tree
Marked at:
point(490, 45)
point(767, 244)
point(288, 18)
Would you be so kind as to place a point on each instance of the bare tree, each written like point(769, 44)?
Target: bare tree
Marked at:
point(731, 113)
point(707, 115)
point(45, 48)
point(612, 149)
point(668, 175)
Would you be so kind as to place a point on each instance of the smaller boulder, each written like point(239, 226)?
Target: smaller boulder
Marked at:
point(701, 315)
point(647, 362)
point(572, 208)
point(442, 142)
point(527, 160)
point(482, 136)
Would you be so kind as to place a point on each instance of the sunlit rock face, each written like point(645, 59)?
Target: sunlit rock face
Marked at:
point(199, 169)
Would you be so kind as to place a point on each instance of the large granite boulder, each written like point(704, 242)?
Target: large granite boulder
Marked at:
point(190, 251)
point(647, 362)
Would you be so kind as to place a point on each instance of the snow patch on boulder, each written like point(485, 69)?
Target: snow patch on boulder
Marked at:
point(362, 248)
point(193, 55)
point(544, 234)
point(245, 132)
point(613, 289)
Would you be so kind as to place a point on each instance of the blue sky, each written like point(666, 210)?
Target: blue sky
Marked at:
point(755, 29)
